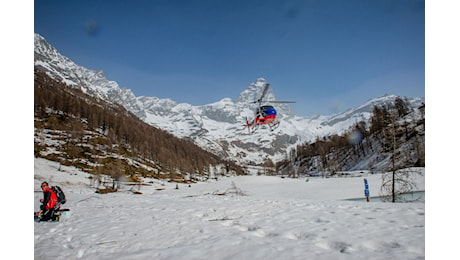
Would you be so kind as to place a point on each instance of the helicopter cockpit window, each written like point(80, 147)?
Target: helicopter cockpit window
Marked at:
point(268, 110)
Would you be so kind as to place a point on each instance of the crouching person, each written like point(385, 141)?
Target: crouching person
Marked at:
point(49, 201)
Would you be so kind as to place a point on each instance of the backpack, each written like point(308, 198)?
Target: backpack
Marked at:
point(59, 194)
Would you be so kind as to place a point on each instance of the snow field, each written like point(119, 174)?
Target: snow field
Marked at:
point(277, 219)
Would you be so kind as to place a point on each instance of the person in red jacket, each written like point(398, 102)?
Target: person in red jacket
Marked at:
point(48, 202)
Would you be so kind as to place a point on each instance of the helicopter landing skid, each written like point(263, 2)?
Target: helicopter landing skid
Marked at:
point(274, 125)
point(254, 128)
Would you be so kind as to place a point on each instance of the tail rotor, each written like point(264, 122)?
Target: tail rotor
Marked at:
point(248, 125)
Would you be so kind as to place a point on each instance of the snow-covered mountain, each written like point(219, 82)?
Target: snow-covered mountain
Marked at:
point(217, 127)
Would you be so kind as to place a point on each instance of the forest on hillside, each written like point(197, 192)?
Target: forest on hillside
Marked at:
point(104, 138)
point(393, 138)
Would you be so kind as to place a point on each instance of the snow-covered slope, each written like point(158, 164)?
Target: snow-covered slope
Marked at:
point(92, 82)
point(276, 219)
point(216, 127)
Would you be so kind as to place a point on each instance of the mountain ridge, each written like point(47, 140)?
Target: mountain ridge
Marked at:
point(217, 126)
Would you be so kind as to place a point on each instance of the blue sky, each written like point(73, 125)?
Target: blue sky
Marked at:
point(328, 55)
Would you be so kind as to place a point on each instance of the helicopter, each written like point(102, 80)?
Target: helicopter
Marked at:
point(265, 114)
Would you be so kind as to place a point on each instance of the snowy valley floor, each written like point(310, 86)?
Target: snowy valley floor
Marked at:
point(277, 219)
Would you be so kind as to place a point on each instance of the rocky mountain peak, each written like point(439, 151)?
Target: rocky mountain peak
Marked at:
point(216, 127)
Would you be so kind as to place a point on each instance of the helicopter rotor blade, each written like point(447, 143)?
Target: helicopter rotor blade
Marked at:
point(271, 101)
point(277, 101)
point(263, 92)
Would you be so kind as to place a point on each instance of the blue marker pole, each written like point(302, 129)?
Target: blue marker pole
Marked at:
point(366, 189)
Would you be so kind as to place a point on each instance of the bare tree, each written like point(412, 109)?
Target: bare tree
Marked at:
point(401, 179)
point(396, 184)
